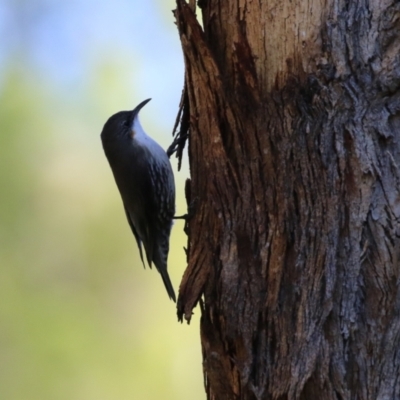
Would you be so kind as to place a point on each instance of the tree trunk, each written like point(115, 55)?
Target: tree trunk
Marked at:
point(293, 110)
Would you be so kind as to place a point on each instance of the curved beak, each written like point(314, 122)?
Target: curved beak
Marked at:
point(134, 121)
point(136, 110)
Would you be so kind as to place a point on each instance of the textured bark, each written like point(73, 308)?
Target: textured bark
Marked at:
point(293, 111)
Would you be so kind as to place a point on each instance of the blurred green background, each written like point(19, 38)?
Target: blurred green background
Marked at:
point(79, 316)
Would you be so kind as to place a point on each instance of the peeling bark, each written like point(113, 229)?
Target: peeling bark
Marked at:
point(293, 113)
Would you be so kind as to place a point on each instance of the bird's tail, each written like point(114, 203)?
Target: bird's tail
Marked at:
point(167, 283)
point(160, 257)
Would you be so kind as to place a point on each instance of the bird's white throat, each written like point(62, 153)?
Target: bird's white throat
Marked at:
point(145, 140)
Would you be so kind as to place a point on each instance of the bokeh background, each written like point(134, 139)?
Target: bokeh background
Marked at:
point(80, 318)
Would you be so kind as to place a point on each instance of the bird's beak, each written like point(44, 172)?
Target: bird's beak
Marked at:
point(136, 110)
point(134, 121)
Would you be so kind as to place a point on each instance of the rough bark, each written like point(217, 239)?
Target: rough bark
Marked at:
point(293, 111)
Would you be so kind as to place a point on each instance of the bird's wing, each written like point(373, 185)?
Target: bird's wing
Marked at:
point(148, 199)
point(139, 242)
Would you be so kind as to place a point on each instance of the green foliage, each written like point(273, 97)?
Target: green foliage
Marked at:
point(79, 317)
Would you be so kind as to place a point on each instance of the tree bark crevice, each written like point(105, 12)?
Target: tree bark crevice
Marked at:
point(294, 151)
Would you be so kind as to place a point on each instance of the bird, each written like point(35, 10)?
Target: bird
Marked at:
point(145, 180)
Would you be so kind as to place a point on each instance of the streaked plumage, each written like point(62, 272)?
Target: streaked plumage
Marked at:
point(145, 181)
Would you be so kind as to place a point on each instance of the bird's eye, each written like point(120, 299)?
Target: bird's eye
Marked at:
point(126, 123)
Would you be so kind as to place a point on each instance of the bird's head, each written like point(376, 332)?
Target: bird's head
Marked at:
point(123, 124)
